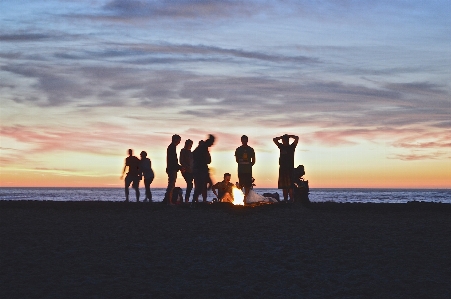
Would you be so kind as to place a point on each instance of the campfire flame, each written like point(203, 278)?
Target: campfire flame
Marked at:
point(238, 196)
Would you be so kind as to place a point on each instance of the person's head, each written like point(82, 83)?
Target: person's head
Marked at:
point(244, 140)
point(130, 152)
point(285, 139)
point(188, 144)
point(176, 139)
point(143, 155)
point(211, 139)
point(227, 177)
point(300, 170)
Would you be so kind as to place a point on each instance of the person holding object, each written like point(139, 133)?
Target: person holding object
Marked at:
point(245, 157)
point(286, 163)
point(133, 175)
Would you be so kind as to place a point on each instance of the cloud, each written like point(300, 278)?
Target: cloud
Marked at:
point(100, 139)
point(180, 9)
point(286, 101)
point(417, 157)
point(423, 88)
point(425, 140)
point(24, 37)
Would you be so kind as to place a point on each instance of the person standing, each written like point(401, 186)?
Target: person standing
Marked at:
point(201, 158)
point(245, 157)
point(172, 167)
point(145, 167)
point(286, 163)
point(186, 160)
point(133, 175)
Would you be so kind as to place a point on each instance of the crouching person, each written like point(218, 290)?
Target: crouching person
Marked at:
point(300, 186)
point(223, 190)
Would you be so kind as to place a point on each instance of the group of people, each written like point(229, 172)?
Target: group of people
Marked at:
point(193, 166)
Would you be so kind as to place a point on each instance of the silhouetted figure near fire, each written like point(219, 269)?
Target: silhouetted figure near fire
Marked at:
point(186, 160)
point(224, 191)
point(145, 167)
point(286, 164)
point(133, 175)
point(172, 167)
point(245, 157)
point(202, 158)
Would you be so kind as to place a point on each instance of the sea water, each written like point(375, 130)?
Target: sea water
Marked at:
point(316, 194)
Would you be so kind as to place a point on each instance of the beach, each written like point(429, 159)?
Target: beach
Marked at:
point(139, 250)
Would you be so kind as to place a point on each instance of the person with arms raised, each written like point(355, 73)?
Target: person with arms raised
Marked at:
point(286, 163)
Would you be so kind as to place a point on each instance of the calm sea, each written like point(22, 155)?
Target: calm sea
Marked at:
point(316, 195)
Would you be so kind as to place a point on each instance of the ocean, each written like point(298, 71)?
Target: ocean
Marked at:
point(316, 194)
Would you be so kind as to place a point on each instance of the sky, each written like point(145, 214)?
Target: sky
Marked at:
point(366, 85)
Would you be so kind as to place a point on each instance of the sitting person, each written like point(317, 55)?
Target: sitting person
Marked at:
point(224, 189)
point(300, 186)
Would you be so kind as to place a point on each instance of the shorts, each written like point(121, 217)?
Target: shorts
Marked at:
point(245, 179)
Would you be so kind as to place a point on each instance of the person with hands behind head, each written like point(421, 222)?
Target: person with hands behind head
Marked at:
point(286, 163)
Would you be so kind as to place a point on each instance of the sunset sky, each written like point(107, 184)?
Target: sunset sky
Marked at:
point(366, 85)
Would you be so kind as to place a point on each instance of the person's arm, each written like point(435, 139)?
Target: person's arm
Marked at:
point(253, 159)
point(123, 171)
point(296, 139)
point(213, 188)
point(276, 140)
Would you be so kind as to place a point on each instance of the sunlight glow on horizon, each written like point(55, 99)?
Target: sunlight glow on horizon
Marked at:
point(364, 84)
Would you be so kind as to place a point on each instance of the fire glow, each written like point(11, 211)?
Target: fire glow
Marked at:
point(238, 196)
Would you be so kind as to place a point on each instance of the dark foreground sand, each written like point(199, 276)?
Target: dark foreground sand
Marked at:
point(119, 250)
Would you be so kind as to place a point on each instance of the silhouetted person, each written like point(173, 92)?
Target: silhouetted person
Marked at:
point(300, 186)
point(172, 167)
point(245, 157)
point(202, 158)
point(286, 163)
point(146, 169)
point(209, 181)
point(186, 160)
point(224, 193)
point(133, 174)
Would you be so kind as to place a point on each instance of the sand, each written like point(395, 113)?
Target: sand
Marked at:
point(138, 250)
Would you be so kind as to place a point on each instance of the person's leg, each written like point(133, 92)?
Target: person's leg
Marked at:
point(199, 184)
point(204, 186)
point(127, 185)
point(204, 194)
point(246, 183)
point(189, 185)
point(209, 182)
point(290, 191)
point(172, 177)
point(136, 187)
point(285, 194)
point(227, 198)
point(148, 192)
point(196, 187)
